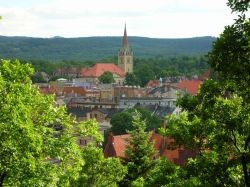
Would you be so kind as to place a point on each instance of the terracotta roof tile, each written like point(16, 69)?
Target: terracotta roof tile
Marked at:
point(98, 69)
point(190, 86)
point(48, 90)
point(116, 146)
point(120, 144)
point(153, 83)
point(74, 90)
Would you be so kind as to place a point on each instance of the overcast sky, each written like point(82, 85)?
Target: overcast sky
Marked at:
point(81, 18)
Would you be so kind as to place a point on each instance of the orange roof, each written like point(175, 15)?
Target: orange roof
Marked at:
point(48, 89)
point(98, 69)
point(153, 83)
point(120, 144)
point(78, 90)
point(190, 86)
point(116, 146)
point(206, 75)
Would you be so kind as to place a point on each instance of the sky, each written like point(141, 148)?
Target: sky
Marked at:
point(83, 18)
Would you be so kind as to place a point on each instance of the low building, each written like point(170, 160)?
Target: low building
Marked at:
point(130, 102)
point(164, 91)
point(153, 83)
point(129, 91)
point(116, 146)
point(69, 72)
point(93, 73)
point(189, 86)
point(103, 117)
point(47, 89)
point(74, 91)
point(106, 92)
point(91, 102)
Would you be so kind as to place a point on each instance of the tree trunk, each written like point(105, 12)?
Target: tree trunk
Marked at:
point(244, 166)
point(2, 176)
point(244, 161)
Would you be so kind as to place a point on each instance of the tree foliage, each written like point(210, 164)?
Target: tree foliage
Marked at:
point(131, 79)
point(99, 171)
point(145, 74)
point(139, 153)
point(216, 121)
point(98, 48)
point(106, 78)
point(38, 146)
point(123, 121)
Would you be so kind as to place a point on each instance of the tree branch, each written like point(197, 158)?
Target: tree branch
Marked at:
point(235, 142)
point(247, 142)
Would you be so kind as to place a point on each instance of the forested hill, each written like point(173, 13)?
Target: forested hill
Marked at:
point(95, 48)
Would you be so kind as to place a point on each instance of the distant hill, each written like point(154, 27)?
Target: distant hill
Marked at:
point(96, 48)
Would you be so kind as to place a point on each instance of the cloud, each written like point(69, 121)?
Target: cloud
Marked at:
point(152, 18)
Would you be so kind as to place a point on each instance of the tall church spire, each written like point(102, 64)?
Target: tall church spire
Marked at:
point(125, 55)
point(125, 38)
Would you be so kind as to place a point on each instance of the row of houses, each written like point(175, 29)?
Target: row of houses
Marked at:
point(86, 98)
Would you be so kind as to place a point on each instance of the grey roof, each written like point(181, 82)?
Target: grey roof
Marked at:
point(109, 111)
point(160, 111)
point(78, 111)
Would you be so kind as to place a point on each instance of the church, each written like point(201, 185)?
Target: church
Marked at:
point(125, 65)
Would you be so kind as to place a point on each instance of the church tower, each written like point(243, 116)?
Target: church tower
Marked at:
point(125, 55)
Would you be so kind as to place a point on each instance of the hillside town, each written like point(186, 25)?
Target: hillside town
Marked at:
point(83, 104)
point(86, 97)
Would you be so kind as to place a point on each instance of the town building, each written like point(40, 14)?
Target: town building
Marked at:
point(130, 102)
point(129, 91)
point(92, 74)
point(116, 146)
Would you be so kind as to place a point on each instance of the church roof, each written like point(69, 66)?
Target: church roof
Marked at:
point(98, 69)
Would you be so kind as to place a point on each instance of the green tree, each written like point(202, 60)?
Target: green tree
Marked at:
point(131, 79)
point(99, 171)
point(139, 153)
point(106, 78)
point(217, 124)
point(168, 174)
point(123, 121)
point(145, 74)
point(216, 128)
point(230, 57)
point(38, 79)
point(37, 142)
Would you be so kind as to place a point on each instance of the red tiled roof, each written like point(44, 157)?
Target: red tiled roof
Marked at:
point(190, 86)
point(98, 69)
point(116, 147)
point(48, 90)
point(153, 83)
point(78, 90)
point(206, 75)
point(120, 144)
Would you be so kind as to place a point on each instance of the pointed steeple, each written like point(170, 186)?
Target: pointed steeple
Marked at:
point(125, 38)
